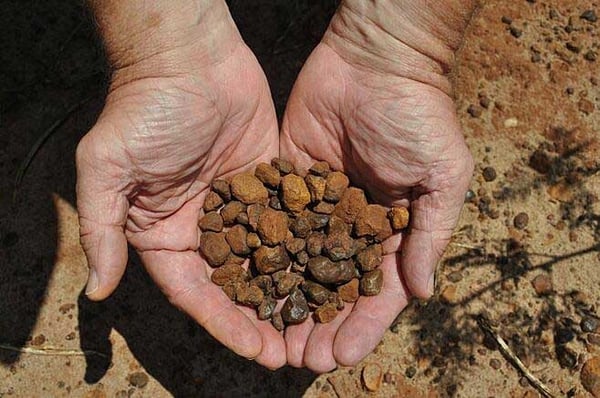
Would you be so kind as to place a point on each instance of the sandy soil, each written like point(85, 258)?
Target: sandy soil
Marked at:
point(528, 97)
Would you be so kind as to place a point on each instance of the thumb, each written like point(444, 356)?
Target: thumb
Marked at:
point(434, 216)
point(102, 211)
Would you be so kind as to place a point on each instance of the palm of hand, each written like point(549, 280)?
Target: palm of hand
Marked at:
point(144, 171)
point(400, 140)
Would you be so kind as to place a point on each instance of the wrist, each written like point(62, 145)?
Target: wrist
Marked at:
point(146, 38)
point(413, 39)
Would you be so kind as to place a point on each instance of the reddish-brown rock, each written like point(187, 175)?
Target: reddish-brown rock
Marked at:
point(272, 227)
point(373, 221)
point(214, 247)
point(211, 222)
point(294, 193)
point(248, 189)
point(336, 184)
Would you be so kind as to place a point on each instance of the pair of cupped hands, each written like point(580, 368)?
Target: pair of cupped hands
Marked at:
point(146, 166)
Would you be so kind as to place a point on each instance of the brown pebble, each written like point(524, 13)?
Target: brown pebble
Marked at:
point(388, 378)
point(211, 222)
point(214, 247)
point(271, 259)
point(399, 217)
point(338, 225)
point(275, 203)
point(264, 282)
point(221, 187)
point(295, 309)
point(277, 321)
point(138, 379)
point(336, 184)
point(338, 246)
point(594, 338)
point(324, 208)
point(294, 193)
point(314, 243)
point(248, 189)
point(370, 258)
point(272, 227)
point(495, 363)
point(373, 221)
point(326, 271)
point(250, 295)
point(253, 241)
point(315, 293)
point(267, 174)
point(448, 295)
point(38, 340)
point(317, 221)
point(515, 32)
point(352, 202)
point(316, 187)
point(229, 273)
point(590, 56)
point(586, 106)
point(301, 227)
point(285, 282)
point(326, 313)
point(234, 259)
point(321, 169)
point(590, 376)
point(372, 376)
point(231, 288)
point(295, 245)
point(521, 220)
point(455, 276)
point(349, 291)
point(254, 211)
point(371, 283)
point(266, 308)
point(542, 284)
point(230, 212)
point(489, 174)
point(212, 202)
point(302, 258)
point(474, 111)
point(237, 237)
point(589, 15)
point(283, 166)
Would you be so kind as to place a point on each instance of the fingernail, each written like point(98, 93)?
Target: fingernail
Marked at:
point(431, 284)
point(92, 284)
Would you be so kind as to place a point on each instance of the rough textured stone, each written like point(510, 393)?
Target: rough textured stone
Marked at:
point(320, 169)
point(326, 313)
point(253, 241)
point(266, 308)
point(338, 225)
point(271, 259)
point(590, 376)
point(352, 202)
point(283, 166)
point(277, 321)
point(221, 187)
point(248, 189)
point(212, 202)
point(294, 193)
point(372, 374)
point(315, 293)
point(229, 273)
point(272, 227)
point(338, 246)
point(349, 291)
point(230, 212)
point(295, 245)
point(316, 187)
point(371, 283)
point(314, 243)
point(542, 284)
point(267, 174)
point(250, 295)
point(211, 222)
point(254, 211)
point(337, 182)
point(214, 247)
point(301, 227)
point(326, 271)
point(370, 258)
point(295, 309)
point(237, 238)
point(399, 217)
point(316, 220)
point(285, 282)
point(373, 221)
point(264, 282)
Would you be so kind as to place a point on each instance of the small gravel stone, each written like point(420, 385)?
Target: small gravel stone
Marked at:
point(264, 282)
point(315, 293)
point(515, 32)
point(229, 273)
point(211, 222)
point(138, 379)
point(563, 335)
point(410, 372)
point(295, 309)
point(254, 211)
point(321, 169)
point(371, 283)
point(506, 20)
point(253, 241)
point(336, 184)
point(338, 225)
point(495, 363)
point(455, 276)
point(489, 174)
point(237, 237)
point(398, 217)
point(266, 308)
point(370, 258)
point(295, 195)
point(324, 208)
point(272, 227)
point(302, 258)
point(448, 295)
point(274, 203)
point(316, 187)
point(314, 243)
point(214, 247)
point(589, 324)
point(326, 313)
point(242, 218)
point(231, 288)
point(542, 284)
point(231, 211)
point(271, 259)
point(352, 202)
point(277, 321)
point(295, 245)
point(589, 15)
point(221, 187)
point(348, 292)
point(474, 111)
point(338, 246)
point(267, 174)
point(285, 282)
point(301, 227)
point(521, 220)
point(590, 376)
point(372, 375)
point(283, 166)
point(326, 271)
point(248, 189)
point(373, 221)
point(212, 202)
point(250, 295)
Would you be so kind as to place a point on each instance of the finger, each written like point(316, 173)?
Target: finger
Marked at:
point(102, 212)
point(296, 337)
point(272, 355)
point(371, 317)
point(318, 354)
point(183, 278)
point(434, 217)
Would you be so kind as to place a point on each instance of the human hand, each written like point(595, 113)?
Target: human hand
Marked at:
point(174, 121)
point(390, 124)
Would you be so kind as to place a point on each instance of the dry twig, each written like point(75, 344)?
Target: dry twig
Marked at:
point(51, 351)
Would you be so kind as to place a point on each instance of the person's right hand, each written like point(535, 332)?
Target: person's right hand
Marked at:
point(172, 123)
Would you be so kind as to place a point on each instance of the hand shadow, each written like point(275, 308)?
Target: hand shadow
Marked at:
point(171, 347)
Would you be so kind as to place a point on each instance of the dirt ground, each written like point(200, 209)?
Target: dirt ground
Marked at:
point(527, 90)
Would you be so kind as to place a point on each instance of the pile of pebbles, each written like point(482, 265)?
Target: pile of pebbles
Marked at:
point(313, 241)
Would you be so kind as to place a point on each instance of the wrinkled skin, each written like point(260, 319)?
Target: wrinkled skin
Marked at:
point(400, 140)
point(144, 170)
